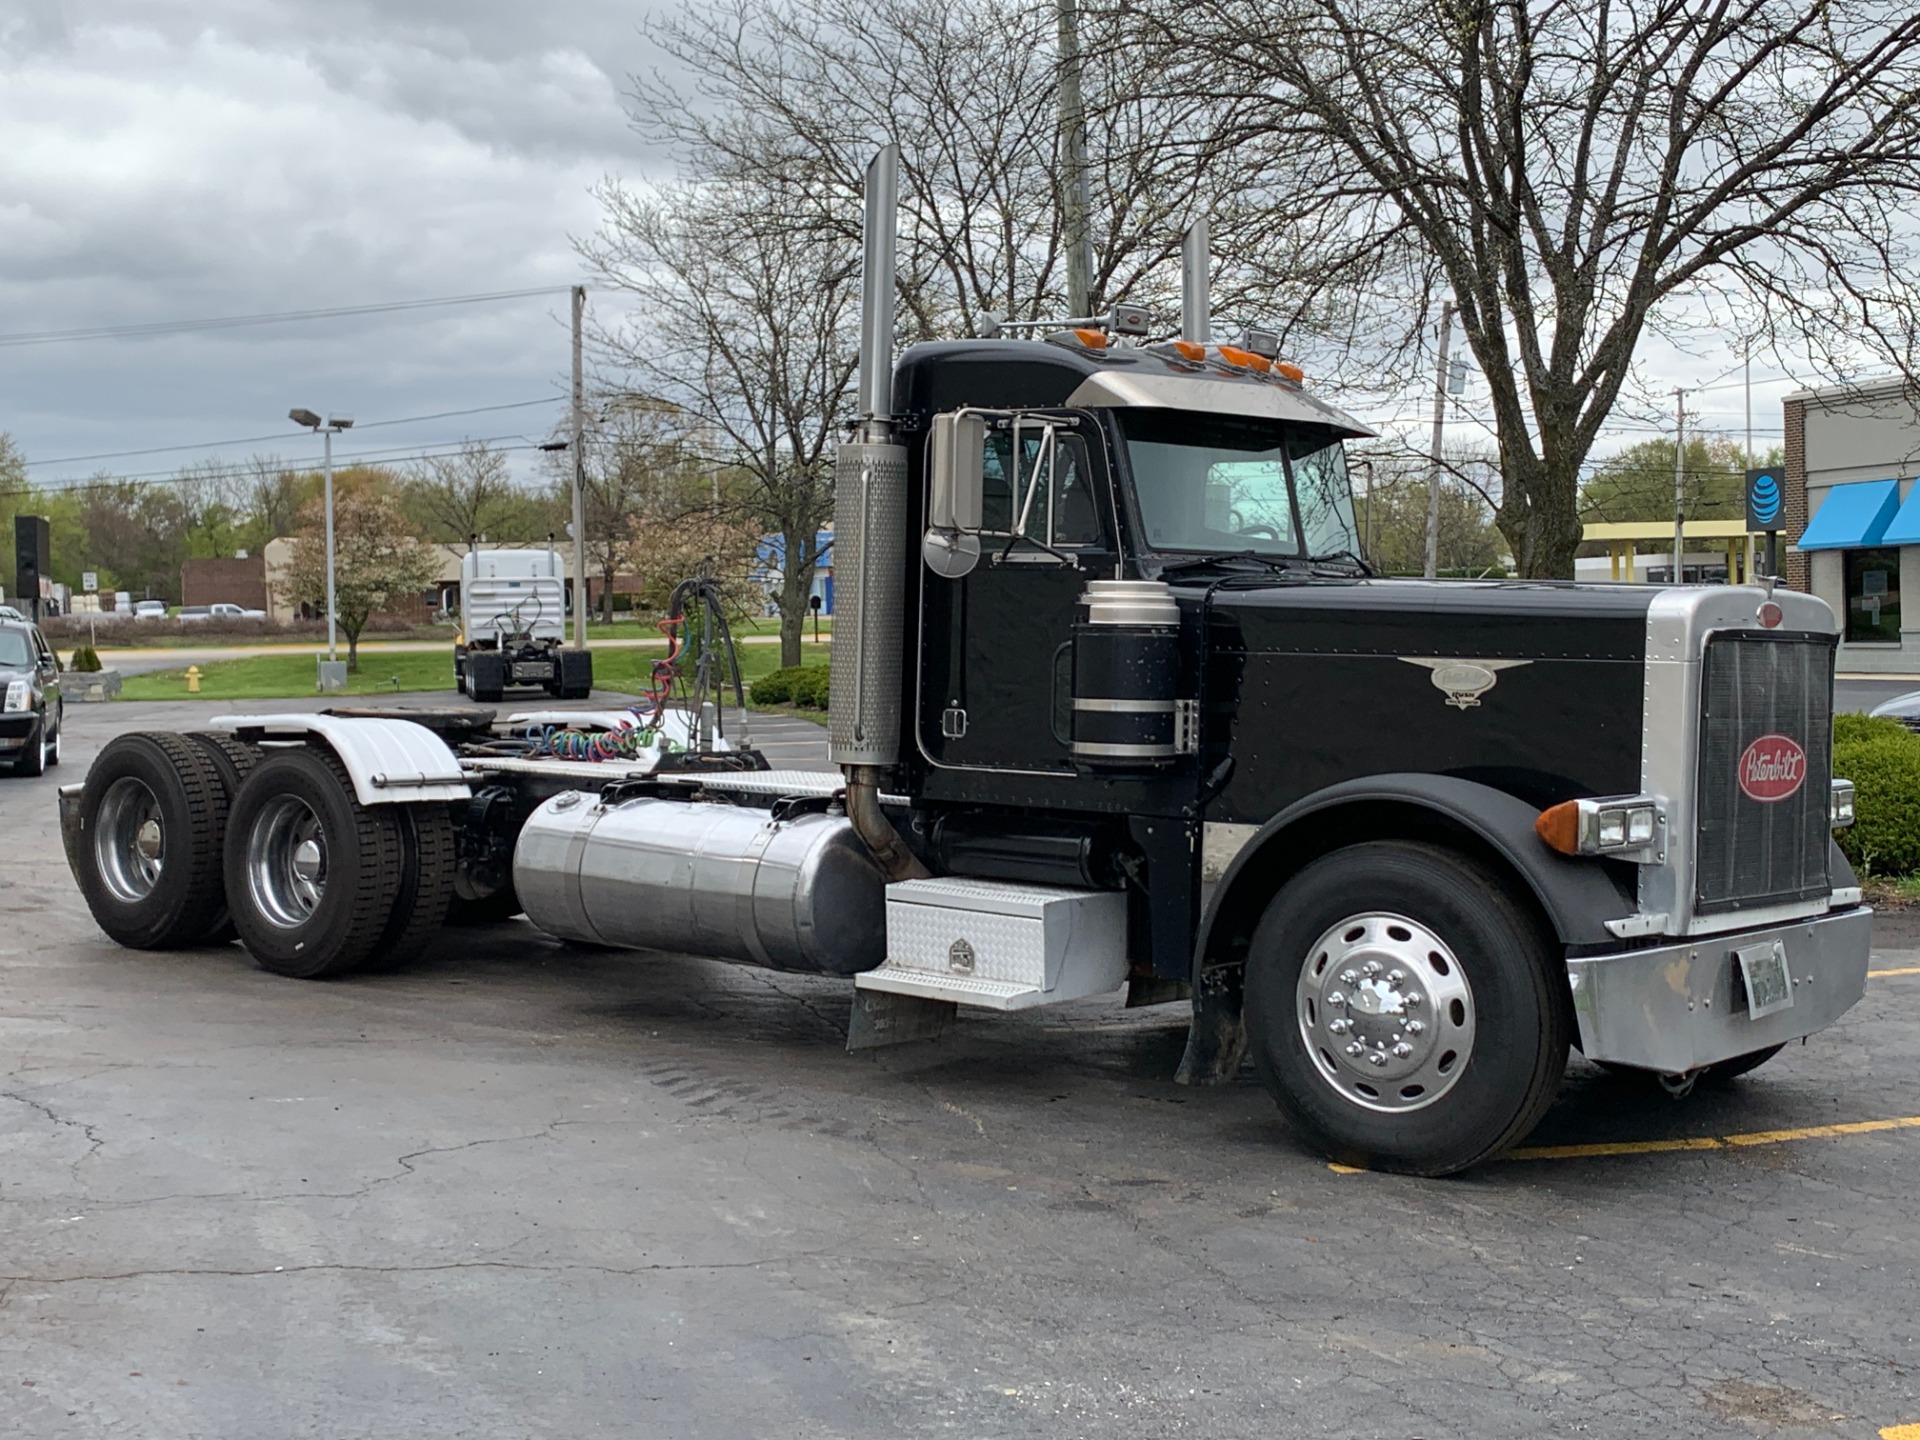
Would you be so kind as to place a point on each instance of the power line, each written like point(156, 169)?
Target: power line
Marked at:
point(232, 322)
point(362, 457)
point(290, 434)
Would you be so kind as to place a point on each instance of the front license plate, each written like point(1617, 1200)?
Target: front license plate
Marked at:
point(532, 670)
point(1769, 985)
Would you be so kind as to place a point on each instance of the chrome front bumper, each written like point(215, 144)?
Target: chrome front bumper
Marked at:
point(1679, 1007)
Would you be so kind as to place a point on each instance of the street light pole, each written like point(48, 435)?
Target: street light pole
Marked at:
point(1432, 567)
point(1679, 487)
point(328, 428)
point(333, 610)
point(579, 473)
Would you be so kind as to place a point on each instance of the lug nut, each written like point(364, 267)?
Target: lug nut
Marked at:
point(1415, 1027)
point(1338, 1027)
point(1336, 997)
point(1349, 977)
point(1413, 997)
point(1403, 1050)
point(1376, 1057)
point(1372, 967)
point(1356, 1048)
point(1394, 977)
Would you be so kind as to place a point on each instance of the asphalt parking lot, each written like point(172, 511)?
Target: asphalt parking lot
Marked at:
point(527, 1189)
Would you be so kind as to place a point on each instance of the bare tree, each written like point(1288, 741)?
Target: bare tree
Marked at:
point(274, 495)
point(1576, 176)
point(790, 99)
point(462, 494)
point(749, 339)
point(638, 469)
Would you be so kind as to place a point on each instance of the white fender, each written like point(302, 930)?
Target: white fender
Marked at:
point(392, 762)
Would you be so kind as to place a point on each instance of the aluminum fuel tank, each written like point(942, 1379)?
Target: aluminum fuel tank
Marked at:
point(706, 879)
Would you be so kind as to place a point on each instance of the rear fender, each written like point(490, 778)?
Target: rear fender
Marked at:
point(391, 762)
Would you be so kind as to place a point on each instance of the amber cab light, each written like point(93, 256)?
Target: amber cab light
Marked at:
point(1092, 339)
point(1559, 826)
point(1288, 371)
point(1190, 351)
point(1246, 359)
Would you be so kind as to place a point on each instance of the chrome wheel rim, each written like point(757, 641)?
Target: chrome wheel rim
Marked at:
point(287, 861)
point(129, 840)
point(1386, 1012)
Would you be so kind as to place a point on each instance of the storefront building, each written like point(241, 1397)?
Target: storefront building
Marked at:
point(1853, 516)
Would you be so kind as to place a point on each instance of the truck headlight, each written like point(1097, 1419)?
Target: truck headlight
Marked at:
point(1841, 808)
point(1625, 826)
point(19, 695)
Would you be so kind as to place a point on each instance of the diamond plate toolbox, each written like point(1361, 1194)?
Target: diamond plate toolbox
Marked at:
point(1061, 943)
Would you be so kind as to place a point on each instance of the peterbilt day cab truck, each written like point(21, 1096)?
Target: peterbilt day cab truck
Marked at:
point(513, 627)
point(1116, 706)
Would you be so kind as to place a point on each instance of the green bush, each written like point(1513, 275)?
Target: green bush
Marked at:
point(803, 685)
point(810, 688)
point(86, 661)
point(1882, 759)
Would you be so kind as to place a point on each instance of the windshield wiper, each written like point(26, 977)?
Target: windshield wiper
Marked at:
point(1346, 555)
point(1274, 564)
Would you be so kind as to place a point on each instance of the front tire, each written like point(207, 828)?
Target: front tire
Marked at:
point(1402, 1011)
point(311, 873)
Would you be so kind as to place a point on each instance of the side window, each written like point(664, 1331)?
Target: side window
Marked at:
point(1063, 516)
point(46, 655)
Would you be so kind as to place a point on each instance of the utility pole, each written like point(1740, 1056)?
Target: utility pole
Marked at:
point(1439, 430)
point(1073, 147)
point(333, 610)
point(579, 448)
point(1679, 487)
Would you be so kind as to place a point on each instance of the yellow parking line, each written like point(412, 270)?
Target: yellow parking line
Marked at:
point(1880, 974)
point(1717, 1142)
point(1901, 1432)
point(1605, 1148)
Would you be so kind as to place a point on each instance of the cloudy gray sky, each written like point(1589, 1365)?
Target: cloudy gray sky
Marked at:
point(182, 159)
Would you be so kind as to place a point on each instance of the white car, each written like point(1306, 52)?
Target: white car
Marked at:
point(150, 610)
point(221, 611)
point(7, 612)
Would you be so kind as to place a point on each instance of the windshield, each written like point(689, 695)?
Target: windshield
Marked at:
point(1213, 483)
point(14, 650)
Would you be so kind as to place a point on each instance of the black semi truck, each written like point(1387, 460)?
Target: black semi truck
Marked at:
point(1117, 706)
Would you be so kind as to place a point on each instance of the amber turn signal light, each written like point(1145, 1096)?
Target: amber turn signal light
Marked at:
point(1559, 826)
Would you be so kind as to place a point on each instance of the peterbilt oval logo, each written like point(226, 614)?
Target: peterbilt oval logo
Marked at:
point(1772, 767)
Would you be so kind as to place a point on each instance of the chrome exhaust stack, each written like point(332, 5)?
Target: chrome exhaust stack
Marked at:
point(870, 545)
point(1196, 322)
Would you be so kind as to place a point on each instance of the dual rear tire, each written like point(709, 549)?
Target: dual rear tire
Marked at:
point(194, 839)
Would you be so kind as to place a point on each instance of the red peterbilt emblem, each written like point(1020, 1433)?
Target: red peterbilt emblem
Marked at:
point(1772, 767)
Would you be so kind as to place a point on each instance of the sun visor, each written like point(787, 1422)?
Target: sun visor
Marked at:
point(1211, 395)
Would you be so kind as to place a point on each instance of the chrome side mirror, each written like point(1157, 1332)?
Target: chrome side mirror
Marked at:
point(957, 455)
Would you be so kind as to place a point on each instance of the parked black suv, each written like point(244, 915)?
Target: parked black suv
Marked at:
point(30, 704)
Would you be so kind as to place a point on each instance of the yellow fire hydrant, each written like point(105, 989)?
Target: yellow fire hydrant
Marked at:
point(193, 679)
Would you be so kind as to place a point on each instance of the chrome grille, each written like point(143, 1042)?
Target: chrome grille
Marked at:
point(1751, 852)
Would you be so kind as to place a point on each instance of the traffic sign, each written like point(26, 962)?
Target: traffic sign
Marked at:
point(89, 581)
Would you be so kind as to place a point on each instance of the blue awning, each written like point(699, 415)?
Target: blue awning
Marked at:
point(1854, 515)
point(1904, 529)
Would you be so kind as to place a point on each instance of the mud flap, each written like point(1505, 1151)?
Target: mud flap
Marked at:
point(881, 1018)
point(1217, 1039)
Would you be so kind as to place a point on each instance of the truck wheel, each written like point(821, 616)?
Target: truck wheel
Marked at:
point(233, 760)
point(149, 860)
point(486, 676)
point(1401, 1010)
point(428, 854)
point(311, 873)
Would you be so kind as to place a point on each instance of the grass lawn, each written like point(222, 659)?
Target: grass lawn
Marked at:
point(278, 677)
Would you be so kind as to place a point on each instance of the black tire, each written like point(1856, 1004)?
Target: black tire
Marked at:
point(172, 897)
point(326, 922)
point(1507, 1011)
point(486, 676)
point(233, 759)
point(32, 757)
point(428, 852)
point(575, 681)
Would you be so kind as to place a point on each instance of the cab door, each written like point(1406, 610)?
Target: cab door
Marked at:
point(995, 672)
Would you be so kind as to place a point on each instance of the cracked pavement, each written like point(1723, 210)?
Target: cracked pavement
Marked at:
point(526, 1189)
